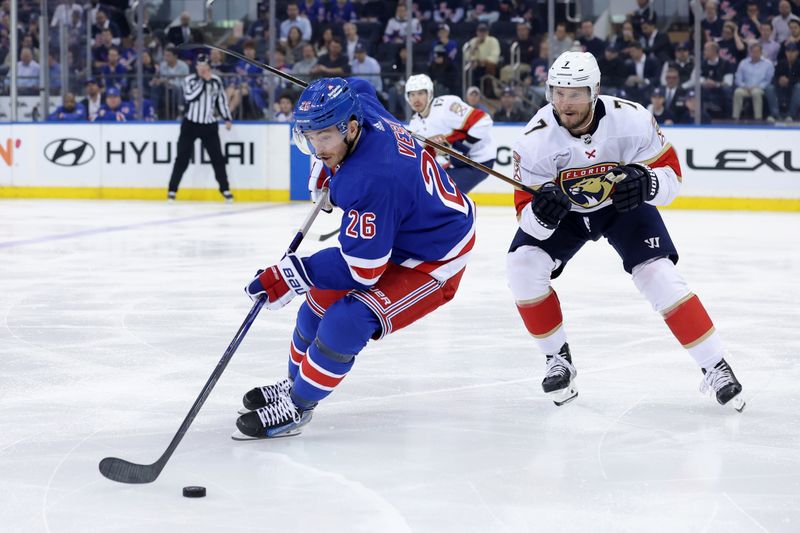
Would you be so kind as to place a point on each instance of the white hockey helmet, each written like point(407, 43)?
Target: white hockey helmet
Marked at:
point(419, 82)
point(574, 69)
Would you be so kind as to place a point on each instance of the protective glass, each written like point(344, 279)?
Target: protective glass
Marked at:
point(569, 95)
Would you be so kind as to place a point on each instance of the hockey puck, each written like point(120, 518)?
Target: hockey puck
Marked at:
point(194, 492)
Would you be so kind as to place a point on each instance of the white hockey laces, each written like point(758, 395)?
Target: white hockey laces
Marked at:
point(716, 378)
point(278, 412)
point(279, 389)
point(557, 364)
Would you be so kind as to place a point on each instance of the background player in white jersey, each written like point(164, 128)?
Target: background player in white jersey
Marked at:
point(601, 165)
point(450, 121)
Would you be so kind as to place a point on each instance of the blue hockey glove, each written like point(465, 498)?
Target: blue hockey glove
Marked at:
point(280, 283)
point(634, 184)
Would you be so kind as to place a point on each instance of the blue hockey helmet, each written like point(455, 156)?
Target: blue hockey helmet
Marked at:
point(327, 102)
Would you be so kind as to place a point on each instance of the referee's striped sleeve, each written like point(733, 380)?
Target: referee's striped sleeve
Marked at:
point(222, 104)
point(192, 88)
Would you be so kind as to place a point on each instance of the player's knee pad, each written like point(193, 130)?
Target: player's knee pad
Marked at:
point(660, 282)
point(307, 323)
point(346, 328)
point(528, 269)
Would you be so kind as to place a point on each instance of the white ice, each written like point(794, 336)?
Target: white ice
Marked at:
point(114, 314)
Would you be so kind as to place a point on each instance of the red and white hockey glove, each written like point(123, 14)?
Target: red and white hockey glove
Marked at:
point(318, 181)
point(280, 283)
point(634, 184)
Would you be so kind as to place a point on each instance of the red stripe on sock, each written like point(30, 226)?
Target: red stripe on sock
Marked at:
point(543, 316)
point(295, 354)
point(689, 321)
point(317, 377)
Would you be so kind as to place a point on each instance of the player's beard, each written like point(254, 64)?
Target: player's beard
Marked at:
point(576, 121)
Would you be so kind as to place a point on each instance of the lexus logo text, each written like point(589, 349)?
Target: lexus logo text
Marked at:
point(69, 152)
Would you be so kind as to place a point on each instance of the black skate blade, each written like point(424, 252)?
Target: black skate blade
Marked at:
point(239, 436)
point(562, 402)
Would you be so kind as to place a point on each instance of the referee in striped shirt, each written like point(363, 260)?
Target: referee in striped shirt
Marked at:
point(204, 93)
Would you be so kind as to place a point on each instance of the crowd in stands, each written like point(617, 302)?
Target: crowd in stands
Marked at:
point(749, 67)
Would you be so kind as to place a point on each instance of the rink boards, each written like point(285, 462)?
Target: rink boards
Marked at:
point(723, 168)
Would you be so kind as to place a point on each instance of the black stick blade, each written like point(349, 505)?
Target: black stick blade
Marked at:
point(126, 472)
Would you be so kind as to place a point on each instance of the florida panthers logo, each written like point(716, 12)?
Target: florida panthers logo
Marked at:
point(586, 187)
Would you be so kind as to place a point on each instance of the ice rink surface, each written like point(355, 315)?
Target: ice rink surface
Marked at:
point(114, 314)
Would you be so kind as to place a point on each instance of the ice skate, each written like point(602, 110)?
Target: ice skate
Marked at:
point(281, 418)
point(559, 378)
point(263, 396)
point(721, 380)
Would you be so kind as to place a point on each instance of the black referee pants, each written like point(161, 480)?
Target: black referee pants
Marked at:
point(209, 139)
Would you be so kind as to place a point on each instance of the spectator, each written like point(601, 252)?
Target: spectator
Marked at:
point(101, 23)
point(785, 89)
point(780, 22)
point(333, 64)
point(560, 41)
point(658, 108)
point(395, 31)
point(614, 72)
point(27, 73)
point(448, 12)
point(443, 39)
point(716, 77)
point(624, 40)
point(285, 111)
point(54, 71)
point(366, 67)
point(115, 74)
point(690, 103)
point(219, 64)
point(148, 111)
point(102, 44)
point(64, 13)
point(528, 51)
point(293, 18)
point(484, 55)
point(590, 43)
point(728, 10)
point(127, 54)
point(536, 83)
point(731, 46)
point(313, 10)
point(184, 33)
point(256, 28)
point(149, 71)
point(93, 100)
point(115, 110)
point(768, 45)
point(642, 73)
point(683, 63)
point(752, 77)
point(342, 11)
point(520, 11)
point(794, 37)
point(750, 23)
point(475, 99)
point(656, 43)
point(294, 45)
point(421, 10)
point(510, 109)
point(352, 39)
point(674, 95)
point(252, 76)
point(396, 91)
point(70, 110)
point(321, 46)
point(303, 68)
point(167, 89)
point(443, 72)
point(483, 12)
point(712, 23)
point(644, 12)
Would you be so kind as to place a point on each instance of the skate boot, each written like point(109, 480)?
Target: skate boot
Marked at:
point(281, 418)
point(228, 197)
point(263, 396)
point(723, 382)
point(559, 377)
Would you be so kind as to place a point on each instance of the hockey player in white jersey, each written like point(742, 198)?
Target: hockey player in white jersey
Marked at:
point(601, 165)
point(450, 121)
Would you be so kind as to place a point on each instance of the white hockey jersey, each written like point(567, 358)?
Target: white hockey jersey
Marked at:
point(467, 129)
point(626, 133)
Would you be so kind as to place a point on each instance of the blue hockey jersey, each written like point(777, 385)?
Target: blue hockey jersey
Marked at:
point(399, 206)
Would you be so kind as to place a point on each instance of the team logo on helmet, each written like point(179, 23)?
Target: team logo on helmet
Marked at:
point(587, 186)
point(305, 105)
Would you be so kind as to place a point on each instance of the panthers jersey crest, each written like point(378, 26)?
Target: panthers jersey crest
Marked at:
point(587, 186)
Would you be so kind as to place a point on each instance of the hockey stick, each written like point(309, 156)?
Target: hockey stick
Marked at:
point(124, 471)
point(433, 144)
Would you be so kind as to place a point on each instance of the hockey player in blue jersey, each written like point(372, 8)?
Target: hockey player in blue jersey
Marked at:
point(405, 237)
